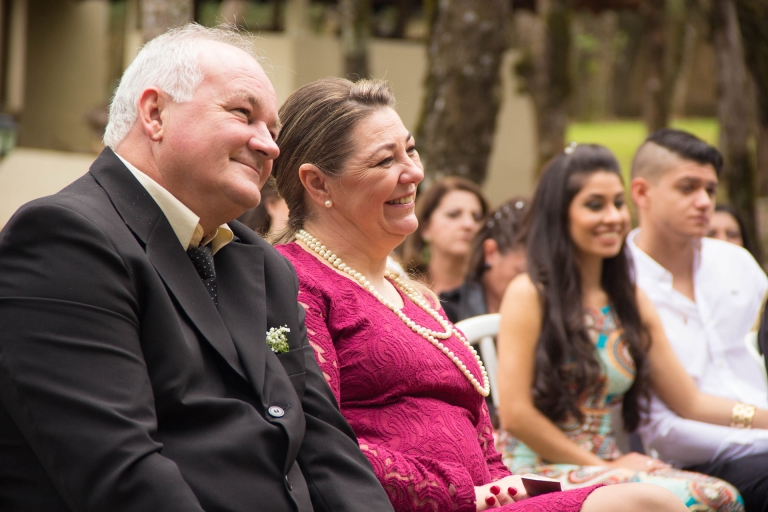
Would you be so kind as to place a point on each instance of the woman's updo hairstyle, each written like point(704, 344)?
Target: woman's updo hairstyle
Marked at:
point(317, 124)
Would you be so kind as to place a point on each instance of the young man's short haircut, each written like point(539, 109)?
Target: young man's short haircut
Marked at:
point(680, 143)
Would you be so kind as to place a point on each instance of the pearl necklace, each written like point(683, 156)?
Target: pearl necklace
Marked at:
point(430, 335)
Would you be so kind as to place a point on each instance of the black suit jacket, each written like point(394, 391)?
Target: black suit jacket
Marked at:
point(122, 388)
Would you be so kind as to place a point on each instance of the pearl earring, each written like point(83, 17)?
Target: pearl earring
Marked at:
point(328, 203)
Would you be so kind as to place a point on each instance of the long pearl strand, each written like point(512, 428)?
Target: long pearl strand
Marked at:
point(430, 335)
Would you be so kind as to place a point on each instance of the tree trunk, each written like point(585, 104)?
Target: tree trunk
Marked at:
point(355, 32)
point(233, 11)
point(733, 110)
point(753, 20)
point(157, 16)
point(458, 119)
point(665, 28)
point(278, 15)
point(545, 74)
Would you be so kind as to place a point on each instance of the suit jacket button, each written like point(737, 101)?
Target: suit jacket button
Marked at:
point(288, 483)
point(276, 412)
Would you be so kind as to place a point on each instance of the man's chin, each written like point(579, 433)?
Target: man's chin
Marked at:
point(697, 232)
point(247, 198)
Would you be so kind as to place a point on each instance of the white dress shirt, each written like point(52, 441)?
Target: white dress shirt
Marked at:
point(183, 221)
point(708, 338)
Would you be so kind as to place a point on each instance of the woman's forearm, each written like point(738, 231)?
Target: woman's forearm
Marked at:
point(542, 436)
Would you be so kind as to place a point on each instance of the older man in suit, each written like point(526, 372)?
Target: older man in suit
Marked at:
point(135, 373)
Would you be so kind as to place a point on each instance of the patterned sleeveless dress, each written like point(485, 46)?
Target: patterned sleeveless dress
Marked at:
point(699, 492)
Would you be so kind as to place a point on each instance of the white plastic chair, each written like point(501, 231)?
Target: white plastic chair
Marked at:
point(480, 331)
point(750, 340)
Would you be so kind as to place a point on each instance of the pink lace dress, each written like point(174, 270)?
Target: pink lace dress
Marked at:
point(421, 423)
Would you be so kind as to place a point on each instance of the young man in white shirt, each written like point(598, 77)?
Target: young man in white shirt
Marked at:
point(708, 294)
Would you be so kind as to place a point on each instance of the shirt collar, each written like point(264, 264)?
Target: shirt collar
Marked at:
point(650, 266)
point(183, 221)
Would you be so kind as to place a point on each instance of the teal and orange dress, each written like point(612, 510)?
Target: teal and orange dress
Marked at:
point(595, 433)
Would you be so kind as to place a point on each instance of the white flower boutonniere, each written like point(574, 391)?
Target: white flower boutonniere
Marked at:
point(277, 340)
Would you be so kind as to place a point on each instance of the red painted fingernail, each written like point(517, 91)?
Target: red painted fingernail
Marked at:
point(512, 491)
point(490, 501)
point(495, 489)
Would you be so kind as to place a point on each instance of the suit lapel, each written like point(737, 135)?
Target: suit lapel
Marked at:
point(242, 304)
point(148, 223)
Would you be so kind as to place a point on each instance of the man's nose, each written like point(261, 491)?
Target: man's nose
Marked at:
point(262, 142)
point(703, 199)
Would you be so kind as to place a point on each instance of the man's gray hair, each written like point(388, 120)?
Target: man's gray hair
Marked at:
point(170, 63)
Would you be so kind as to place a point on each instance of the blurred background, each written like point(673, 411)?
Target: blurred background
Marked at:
point(491, 88)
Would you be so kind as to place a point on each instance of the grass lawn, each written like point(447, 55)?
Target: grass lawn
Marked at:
point(624, 137)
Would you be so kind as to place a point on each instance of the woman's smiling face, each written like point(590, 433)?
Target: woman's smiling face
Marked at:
point(376, 190)
point(598, 215)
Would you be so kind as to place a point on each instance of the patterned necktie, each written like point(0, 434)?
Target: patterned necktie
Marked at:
point(202, 259)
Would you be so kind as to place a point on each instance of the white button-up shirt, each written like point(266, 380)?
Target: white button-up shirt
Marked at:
point(708, 337)
point(183, 221)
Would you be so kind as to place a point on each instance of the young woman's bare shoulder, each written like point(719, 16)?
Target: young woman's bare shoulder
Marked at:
point(523, 286)
point(522, 291)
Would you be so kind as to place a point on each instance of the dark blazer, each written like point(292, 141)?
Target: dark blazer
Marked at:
point(122, 388)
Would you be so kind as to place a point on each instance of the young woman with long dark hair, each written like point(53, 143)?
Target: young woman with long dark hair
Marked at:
point(578, 333)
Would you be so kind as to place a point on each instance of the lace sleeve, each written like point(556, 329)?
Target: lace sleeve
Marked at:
point(492, 456)
point(319, 337)
point(416, 484)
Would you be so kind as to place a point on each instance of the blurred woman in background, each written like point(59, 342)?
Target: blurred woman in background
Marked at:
point(726, 224)
point(270, 216)
point(498, 256)
point(449, 214)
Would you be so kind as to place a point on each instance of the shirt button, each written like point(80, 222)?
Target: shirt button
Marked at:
point(276, 412)
point(288, 483)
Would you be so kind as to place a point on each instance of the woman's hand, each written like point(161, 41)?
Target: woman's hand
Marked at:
point(638, 462)
point(501, 492)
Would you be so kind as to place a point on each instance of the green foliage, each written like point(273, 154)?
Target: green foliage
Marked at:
point(624, 137)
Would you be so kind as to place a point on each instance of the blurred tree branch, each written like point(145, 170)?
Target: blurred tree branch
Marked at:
point(157, 16)
point(753, 21)
point(355, 32)
point(458, 119)
point(734, 106)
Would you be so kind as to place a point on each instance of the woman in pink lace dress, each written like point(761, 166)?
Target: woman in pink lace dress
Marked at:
point(404, 378)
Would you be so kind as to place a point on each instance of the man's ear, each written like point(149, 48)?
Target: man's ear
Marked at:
point(490, 250)
point(640, 191)
point(150, 109)
point(315, 183)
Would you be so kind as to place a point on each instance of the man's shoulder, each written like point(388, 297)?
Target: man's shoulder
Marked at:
point(715, 248)
point(272, 257)
point(727, 259)
point(82, 198)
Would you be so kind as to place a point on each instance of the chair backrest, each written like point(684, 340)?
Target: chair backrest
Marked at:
point(750, 340)
point(480, 331)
